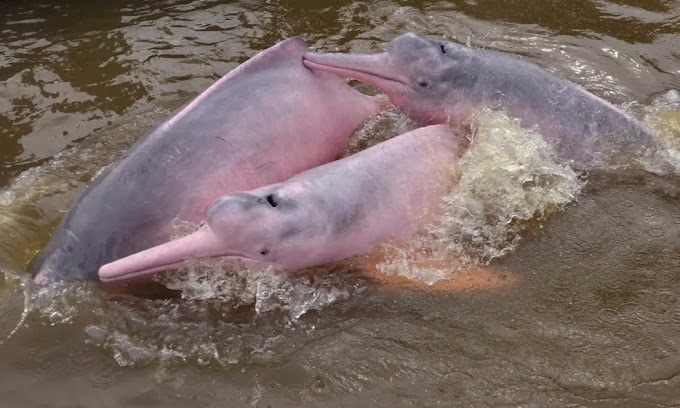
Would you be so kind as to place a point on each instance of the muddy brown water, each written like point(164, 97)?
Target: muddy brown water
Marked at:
point(593, 319)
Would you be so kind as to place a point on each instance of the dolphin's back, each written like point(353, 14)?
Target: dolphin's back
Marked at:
point(582, 128)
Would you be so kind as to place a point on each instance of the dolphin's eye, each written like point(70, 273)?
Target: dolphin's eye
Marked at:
point(272, 200)
point(264, 251)
point(423, 83)
point(442, 48)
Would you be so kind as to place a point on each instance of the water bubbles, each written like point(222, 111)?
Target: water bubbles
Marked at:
point(663, 116)
point(497, 101)
point(227, 313)
point(383, 126)
point(13, 302)
point(62, 302)
point(129, 354)
point(319, 385)
point(308, 298)
point(508, 177)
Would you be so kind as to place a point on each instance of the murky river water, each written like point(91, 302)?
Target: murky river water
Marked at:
point(590, 314)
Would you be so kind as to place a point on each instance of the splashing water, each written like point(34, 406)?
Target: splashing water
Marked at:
point(507, 186)
point(383, 126)
point(229, 314)
point(663, 115)
point(14, 302)
point(244, 285)
point(504, 185)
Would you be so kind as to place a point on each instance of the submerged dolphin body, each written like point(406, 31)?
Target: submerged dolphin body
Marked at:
point(326, 214)
point(435, 82)
point(266, 120)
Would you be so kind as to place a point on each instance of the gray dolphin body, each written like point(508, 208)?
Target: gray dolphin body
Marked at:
point(266, 120)
point(434, 82)
point(326, 214)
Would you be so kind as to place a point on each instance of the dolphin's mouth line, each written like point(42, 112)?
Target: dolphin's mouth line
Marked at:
point(302, 60)
point(344, 70)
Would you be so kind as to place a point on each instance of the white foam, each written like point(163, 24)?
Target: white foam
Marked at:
point(508, 177)
point(663, 115)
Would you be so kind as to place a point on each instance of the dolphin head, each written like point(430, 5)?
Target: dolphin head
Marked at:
point(419, 75)
point(262, 226)
point(248, 224)
point(67, 257)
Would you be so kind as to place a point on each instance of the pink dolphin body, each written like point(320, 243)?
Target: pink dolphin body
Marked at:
point(326, 214)
point(435, 82)
point(265, 121)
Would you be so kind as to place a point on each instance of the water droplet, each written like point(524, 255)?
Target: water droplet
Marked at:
point(497, 101)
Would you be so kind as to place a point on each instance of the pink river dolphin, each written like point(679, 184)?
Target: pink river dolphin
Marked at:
point(265, 121)
point(326, 214)
point(435, 82)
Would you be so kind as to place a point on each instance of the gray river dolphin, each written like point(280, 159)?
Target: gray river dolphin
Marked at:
point(265, 121)
point(434, 82)
point(344, 208)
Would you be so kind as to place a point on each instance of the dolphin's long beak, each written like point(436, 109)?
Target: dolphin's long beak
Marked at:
point(200, 244)
point(373, 69)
